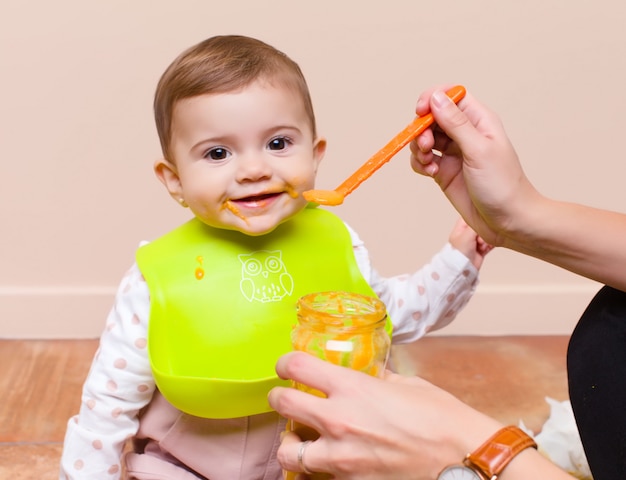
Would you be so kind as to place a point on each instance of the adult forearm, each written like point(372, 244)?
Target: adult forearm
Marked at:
point(531, 464)
point(588, 241)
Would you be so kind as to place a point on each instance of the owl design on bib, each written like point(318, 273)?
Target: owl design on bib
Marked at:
point(264, 276)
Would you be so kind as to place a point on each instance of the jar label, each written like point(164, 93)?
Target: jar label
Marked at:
point(339, 346)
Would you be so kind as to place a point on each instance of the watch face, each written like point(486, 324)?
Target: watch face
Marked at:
point(458, 472)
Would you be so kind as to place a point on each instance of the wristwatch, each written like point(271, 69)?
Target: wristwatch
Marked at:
point(488, 461)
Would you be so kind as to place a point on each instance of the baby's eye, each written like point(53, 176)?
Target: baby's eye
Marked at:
point(279, 143)
point(217, 153)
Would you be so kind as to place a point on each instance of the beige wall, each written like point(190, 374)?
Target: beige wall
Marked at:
point(78, 140)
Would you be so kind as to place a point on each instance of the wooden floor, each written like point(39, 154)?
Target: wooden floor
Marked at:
point(506, 377)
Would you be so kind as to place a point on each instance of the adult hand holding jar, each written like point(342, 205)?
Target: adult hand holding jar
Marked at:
point(393, 427)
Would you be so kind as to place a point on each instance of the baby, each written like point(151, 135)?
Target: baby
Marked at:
point(240, 146)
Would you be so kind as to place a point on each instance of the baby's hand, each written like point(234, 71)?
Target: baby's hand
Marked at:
point(467, 241)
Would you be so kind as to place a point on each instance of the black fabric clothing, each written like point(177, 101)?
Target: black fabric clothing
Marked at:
point(596, 366)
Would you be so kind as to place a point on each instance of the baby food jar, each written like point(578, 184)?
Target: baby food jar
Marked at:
point(343, 328)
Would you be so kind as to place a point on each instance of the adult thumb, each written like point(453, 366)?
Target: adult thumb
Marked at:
point(453, 121)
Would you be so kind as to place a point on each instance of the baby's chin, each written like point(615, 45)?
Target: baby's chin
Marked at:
point(259, 230)
point(255, 227)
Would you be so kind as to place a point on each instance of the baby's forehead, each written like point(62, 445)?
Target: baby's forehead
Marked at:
point(260, 88)
point(258, 111)
point(275, 94)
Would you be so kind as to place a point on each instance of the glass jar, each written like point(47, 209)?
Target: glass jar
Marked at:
point(343, 328)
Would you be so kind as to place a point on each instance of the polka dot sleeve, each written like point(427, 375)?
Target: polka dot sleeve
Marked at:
point(427, 299)
point(118, 385)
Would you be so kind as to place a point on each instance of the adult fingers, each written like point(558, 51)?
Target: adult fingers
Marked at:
point(307, 370)
point(472, 127)
point(299, 406)
point(291, 449)
point(454, 121)
point(423, 102)
point(315, 373)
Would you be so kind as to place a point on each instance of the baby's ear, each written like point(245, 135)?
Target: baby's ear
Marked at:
point(319, 149)
point(166, 172)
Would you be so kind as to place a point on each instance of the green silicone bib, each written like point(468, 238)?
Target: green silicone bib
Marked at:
point(223, 306)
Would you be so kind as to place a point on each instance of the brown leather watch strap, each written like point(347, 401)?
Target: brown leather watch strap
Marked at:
point(495, 454)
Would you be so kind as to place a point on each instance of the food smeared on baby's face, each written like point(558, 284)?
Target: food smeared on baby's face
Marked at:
point(292, 192)
point(228, 205)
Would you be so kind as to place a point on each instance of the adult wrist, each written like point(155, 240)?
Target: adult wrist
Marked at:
point(522, 219)
point(490, 459)
point(475, 430)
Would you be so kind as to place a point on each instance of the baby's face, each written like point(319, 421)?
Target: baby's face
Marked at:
point(242, 159)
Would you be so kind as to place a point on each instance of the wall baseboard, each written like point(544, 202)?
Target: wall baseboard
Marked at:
point(495, 310)
point(55, 312)
point(538, 309)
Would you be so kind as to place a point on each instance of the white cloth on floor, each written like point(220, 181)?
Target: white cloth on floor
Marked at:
point(559, 440)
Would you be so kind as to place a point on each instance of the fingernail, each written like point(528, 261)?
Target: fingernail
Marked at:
point(440, 98)
point(431, 169)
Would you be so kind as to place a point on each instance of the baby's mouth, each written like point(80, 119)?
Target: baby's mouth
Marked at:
point(256, 198)
point(255, 201)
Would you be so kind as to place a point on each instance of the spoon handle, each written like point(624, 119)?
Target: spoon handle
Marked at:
point(397, 143)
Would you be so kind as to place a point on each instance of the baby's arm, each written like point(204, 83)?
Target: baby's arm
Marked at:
point(427, 299)
point(118, 385)
point(469, 243)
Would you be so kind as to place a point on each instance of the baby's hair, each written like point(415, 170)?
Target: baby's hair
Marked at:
point(223, 64)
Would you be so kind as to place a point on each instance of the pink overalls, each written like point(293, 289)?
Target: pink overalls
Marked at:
point(172, 445)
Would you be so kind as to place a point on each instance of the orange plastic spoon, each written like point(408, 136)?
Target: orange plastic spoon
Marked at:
point(397, 143)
